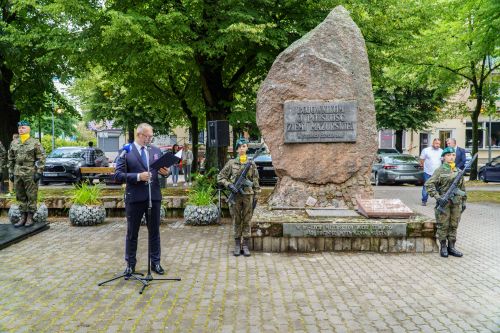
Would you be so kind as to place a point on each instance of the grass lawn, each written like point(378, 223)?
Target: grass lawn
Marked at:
point(483, 196)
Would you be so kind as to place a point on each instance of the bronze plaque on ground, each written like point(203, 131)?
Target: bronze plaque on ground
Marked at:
point(383, 208)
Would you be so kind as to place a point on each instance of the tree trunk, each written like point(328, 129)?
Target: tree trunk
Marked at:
point(8, 113)
point(194, 142)
point(475, 132)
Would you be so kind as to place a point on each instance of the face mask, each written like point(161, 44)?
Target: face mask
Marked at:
point(243, 158)
point(24, 137)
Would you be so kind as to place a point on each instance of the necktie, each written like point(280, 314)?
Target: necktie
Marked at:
point(143, 156)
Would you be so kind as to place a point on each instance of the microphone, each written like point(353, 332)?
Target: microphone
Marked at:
point(126, 149)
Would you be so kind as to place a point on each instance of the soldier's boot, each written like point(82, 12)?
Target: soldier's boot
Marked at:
point(22, 221)
point(451, 249)
point(29, 222)
point(246, 251)
point(444, 249)
point(237, 246)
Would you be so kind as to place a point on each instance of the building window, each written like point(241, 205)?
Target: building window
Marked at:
point(483, 134)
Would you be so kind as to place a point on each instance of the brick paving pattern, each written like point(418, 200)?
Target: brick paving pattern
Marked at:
point(48, 283)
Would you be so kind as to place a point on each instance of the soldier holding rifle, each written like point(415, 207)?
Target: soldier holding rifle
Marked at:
point(245, 191)
point(447, 186)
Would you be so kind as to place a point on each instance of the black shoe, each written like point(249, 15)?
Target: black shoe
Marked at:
point(22, 221)
point(444, 249)
point(451, 249)
point(157, 269)
point(246, 251)
point(129, 270)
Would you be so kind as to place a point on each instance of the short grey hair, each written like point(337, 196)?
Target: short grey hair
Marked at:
point(142, 126)
point(452, 139)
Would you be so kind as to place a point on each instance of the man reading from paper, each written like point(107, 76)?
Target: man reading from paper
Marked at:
point(131, 167)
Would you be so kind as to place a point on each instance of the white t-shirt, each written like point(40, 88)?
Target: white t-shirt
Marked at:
point(432, 159)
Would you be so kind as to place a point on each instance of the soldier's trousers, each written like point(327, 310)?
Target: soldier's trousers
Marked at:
point(26, 193)
point(448, 221)
point(241, 213)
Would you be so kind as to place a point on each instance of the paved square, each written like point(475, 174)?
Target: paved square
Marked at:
point(48, 283)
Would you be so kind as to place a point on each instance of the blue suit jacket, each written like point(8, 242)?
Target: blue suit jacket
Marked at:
point(127, 169)
point(460, 158)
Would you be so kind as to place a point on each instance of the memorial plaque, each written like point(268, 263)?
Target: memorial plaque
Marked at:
point(383, 208)
point(320, 121)
point(344, 229)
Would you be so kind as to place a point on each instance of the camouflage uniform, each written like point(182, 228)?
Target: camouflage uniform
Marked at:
point(437, 186)
point(22, 158)
point(241, 211)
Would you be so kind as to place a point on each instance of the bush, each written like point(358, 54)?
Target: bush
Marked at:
point(47, 143)
point(87, 195)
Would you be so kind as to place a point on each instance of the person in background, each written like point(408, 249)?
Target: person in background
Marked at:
point(187, 161)
point(89, 155)
point(430, 159)
point(3, 163)
point(447, 221)
point(174, 169)
point(242, 210)
point(459, 152)
point(26, 163)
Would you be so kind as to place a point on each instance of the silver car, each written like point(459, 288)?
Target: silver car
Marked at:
point(397, 169)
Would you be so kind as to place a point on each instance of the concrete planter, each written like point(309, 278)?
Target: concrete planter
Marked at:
point(40, 215)
point(86, 215)
point(201, 215)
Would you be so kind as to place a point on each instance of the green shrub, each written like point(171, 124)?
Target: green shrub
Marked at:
point(203, 191)
point(88, 195)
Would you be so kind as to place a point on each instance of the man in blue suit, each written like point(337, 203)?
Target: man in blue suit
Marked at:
point(132, 168)
point(459, 152)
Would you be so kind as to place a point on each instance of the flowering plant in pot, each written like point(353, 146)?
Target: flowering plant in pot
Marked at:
point(87, 207)
point(200, 208)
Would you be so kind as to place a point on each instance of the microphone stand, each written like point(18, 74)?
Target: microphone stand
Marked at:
point(148, 278)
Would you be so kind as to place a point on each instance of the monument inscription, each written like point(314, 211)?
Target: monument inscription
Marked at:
point(320, 121)
point(344, 230)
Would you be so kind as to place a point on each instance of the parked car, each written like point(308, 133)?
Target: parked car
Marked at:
point(267, 175)
point(383, 151)
point(397, 168)
point(490, 172)
point(63, 164)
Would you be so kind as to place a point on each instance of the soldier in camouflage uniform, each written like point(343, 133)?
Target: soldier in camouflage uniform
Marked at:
point(26, 162)
point(242, 210)
point(3, 163)
point(447, 221)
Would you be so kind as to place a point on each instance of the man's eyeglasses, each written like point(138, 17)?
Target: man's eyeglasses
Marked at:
point(147, 136)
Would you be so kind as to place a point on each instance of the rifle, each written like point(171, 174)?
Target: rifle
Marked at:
point(453, 189)
point(242, 180)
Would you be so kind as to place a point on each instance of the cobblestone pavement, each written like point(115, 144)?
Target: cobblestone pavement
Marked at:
point(48, 283)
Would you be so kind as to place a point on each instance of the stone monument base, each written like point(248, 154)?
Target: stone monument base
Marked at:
point(295, 230)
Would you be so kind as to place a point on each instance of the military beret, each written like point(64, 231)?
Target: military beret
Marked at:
point(447, 150)
point(23, 123)
point(241, 141)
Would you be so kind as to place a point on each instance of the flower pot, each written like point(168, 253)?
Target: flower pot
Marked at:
point(86, 215)
point(201, 215)
point(40, 215)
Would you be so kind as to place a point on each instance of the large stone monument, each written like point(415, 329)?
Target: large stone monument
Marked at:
point(316, 113)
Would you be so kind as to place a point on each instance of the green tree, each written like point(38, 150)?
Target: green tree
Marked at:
point(461, 44)
point(34, 44)
point(199, 59)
